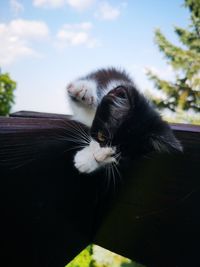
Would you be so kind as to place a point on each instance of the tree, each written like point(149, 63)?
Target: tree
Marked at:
point(184, 92)
point(7, 87)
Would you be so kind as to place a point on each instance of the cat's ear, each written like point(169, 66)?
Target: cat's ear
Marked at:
point(120, 98)
point(165, 143)
point(120, 103)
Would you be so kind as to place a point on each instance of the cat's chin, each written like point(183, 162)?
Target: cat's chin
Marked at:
point(92, 157)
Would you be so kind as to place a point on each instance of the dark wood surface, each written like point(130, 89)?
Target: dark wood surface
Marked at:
point(49, 212)
point(34, 114)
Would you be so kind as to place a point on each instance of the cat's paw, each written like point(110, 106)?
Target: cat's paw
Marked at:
point(92, 157)
point(103, 155)
point(83, 91)
point(84, 161)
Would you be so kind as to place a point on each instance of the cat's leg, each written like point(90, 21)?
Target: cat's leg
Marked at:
point(83, 100)
point(93, 156)
point(84, 91)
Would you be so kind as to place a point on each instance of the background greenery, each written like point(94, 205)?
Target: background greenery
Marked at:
point(7, 87)
point(183, 93)
point(95, 256)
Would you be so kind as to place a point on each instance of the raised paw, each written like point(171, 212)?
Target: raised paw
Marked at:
point(83, 91)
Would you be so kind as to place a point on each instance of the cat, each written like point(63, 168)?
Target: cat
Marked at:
point(123, 123)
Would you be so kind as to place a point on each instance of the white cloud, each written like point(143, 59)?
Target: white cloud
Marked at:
point(49, 3)
point(80, 4)
point(16, 36)
point(107, 12)
point(16, 7)
point(76, 4)
point(76, 35)
point(85, 26)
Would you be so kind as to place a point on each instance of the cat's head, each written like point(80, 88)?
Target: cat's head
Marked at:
point(127, 121)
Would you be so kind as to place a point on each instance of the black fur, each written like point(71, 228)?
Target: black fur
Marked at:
point(128, 121)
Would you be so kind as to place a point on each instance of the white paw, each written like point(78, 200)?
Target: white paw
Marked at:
point(84, 161)
point(102, 154)
point(92, 157)
point(84, 91)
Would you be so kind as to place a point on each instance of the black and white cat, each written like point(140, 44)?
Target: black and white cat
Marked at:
point(123, 123)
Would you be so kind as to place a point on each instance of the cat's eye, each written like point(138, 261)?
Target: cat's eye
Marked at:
point(101, 137)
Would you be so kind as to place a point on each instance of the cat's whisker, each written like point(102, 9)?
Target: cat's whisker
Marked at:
point(66, 136)
point(117, 170)
point(73, 148)
point(79, 130)
point(107, 177)
point(79, 134)
point(109, 174)
point(113, 174)
point(73, 139)
point(117, 157)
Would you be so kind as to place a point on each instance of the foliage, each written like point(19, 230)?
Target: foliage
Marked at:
point(7, 87)
point(84, 259)
point(95, 256)
point(184, 92)
point(183, 117)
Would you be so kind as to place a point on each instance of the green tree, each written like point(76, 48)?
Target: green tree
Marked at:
point(184, 92)
point(7, 87)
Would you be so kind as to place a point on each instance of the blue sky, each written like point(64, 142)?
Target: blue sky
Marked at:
point(44, 44)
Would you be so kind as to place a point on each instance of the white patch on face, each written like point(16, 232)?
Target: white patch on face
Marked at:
point(93, 156)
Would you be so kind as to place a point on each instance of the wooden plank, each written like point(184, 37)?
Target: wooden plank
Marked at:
point(49, 212)
point(47, 209)
point(155, 218)
point(185, 127)
point(33, 114)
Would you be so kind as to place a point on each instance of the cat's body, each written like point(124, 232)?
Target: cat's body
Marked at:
point(123, 124)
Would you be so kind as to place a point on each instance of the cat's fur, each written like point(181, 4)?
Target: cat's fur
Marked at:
point(123, 123)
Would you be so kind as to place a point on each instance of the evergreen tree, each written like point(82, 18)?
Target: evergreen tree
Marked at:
point(184, 92)
point(7, 87)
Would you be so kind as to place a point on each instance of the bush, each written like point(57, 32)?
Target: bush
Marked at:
point(7, 87)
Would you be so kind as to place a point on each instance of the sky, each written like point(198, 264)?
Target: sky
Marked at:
point(45, 44)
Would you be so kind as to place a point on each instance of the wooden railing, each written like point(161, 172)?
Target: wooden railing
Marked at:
point(49, 212)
